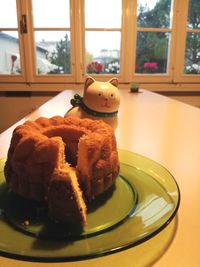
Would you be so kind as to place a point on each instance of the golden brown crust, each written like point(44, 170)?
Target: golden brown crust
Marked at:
point(40, 147)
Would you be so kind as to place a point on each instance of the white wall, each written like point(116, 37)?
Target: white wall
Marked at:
point(13, 109)
point(8, 48)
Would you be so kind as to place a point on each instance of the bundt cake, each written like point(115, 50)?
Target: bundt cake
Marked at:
point(63, 161)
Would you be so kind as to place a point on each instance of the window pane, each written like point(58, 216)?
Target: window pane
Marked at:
point(103, 14)
point(192, 53)
point(51, 13)
point(8, 14)
point(9, 53)
point(152, 52)
point(102, 56)
point(154, 13)
point(53, 52)
point(194, 14)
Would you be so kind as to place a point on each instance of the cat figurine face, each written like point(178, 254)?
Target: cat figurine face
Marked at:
point(100, 101)
point(101, 96)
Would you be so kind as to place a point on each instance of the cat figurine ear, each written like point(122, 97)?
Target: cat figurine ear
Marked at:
point(89, 80)
point(114, 82)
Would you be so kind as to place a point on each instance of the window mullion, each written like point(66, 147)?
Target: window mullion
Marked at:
point(128, 42)
point(154, 29)
point(78, 32)
point(104, 29)
point(51, 29)
point(172, 47)
point(180, 41)
point(28, 51)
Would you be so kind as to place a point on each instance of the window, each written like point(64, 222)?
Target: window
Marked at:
point(62, 41)
point(102, 36)
point(187, 61)
point(153, 36)
point(192, 48)
point(10, 63)
point(52, 52)
point(52, 37)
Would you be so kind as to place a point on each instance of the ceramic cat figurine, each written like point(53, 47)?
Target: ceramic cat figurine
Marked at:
point(100, 101)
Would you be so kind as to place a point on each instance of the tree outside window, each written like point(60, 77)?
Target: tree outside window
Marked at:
point(61, 57)
point(153, 46)
point(192, 51)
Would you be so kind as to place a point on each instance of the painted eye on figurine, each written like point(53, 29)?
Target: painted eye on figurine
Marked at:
point(111, 95)
point(99, 94)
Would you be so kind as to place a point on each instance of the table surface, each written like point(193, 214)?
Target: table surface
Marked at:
point(168, 132)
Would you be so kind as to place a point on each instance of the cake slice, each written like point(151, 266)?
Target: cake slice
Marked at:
point(65, 201)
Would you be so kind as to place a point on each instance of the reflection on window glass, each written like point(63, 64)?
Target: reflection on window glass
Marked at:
point(102, 52)
point(52, 52)
point(8, 14)
point(51, 13)
point(192, 53)
point(152, 52)
point(153, 13)
point(194, 14)
point(103, 14)
point(9, 53)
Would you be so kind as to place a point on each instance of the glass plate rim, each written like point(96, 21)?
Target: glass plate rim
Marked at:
point(107, 251)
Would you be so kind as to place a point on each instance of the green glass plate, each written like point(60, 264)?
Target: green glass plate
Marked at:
point(143, 201)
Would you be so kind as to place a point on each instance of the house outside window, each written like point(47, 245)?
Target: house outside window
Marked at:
point(10, 63)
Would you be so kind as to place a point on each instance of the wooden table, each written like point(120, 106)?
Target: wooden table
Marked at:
point(168, 132)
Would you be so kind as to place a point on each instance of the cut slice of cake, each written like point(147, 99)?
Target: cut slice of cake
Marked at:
point(65, 201)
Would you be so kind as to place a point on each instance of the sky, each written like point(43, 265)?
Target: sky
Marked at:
point(149, 3)
point(93, 19)
point(111, 15)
